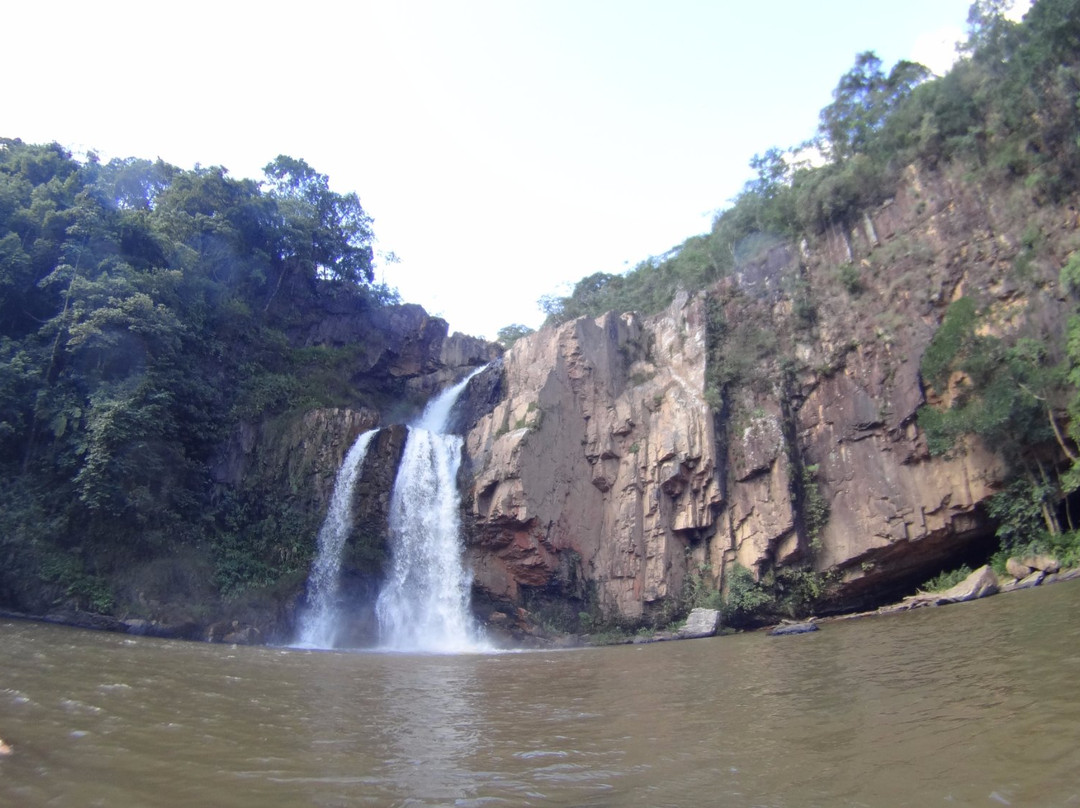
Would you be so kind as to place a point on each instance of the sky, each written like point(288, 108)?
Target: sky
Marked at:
point(504, 148)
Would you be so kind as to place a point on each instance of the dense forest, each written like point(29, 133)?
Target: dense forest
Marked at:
point(145, 310)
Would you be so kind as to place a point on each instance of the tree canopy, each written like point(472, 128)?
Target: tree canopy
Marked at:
point(144, 309)
point(1006, 110)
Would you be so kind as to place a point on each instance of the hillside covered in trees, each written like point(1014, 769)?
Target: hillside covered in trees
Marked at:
point(145, 310)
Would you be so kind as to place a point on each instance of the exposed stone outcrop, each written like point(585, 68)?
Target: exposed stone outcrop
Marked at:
point(787, 629)
point(599, 464)
point(602, 476)
point(300, 453)
point(982, 583)
point(699, 623)
point(400, 351)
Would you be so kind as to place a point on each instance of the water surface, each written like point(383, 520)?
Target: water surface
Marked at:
point(973, 704)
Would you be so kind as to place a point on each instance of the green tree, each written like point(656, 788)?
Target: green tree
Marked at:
point(509, 334)
point(862, 100)
point(323, 235)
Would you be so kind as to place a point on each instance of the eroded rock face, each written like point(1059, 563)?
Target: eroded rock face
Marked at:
point(602, 470)
point(599, 464)
point(300, 454)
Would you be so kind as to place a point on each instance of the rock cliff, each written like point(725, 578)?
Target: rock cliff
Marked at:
point(599, 465)
point(769, 422)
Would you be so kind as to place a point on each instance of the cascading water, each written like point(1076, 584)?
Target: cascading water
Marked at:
point(319, 621)
point(424, 604)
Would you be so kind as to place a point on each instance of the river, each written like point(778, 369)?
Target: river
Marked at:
point(972, 704)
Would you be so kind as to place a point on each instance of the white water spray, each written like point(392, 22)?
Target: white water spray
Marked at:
point(424, 604)
point(319, 622)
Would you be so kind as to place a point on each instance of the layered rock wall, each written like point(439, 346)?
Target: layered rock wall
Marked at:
point(599, 463)
point(603, 472)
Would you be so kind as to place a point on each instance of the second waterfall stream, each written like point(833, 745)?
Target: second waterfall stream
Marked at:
point(424, 604)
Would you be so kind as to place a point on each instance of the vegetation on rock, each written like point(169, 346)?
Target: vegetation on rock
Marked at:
point(1002, 120)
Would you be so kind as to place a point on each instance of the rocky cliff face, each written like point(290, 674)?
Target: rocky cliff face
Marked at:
point(604, 477)
point(403, 354)
point(599, 465)
point(768, 423)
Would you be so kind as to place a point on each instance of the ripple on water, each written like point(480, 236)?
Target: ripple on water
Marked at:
point(541, 753)
point(114, 687)
point(16, 696)
point(80, 707)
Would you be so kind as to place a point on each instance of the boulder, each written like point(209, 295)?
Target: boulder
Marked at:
point(700, 623)
point(1017, 568)
point(1043, 563)
point(979, 584)
point(1028, 581)
point(793, 628)
point(248, 635)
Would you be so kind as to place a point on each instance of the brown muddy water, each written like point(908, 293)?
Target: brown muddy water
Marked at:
point(973, 704)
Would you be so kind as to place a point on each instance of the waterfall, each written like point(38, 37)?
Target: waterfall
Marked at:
point(319, 622)
point(424, 603)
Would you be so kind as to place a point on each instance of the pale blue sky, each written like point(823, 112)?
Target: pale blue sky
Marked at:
point(504, 149)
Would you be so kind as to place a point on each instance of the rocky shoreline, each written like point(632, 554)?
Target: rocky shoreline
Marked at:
point(982, 583)
point(1022, 573)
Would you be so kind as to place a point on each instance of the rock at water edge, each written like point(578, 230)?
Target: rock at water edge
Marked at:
point(1046, 564)
point(793, 628)
point(700, 623)
point(979, 584)
point(1017, 568)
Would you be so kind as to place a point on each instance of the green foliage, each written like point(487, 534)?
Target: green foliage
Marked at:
point(863, 100)
point(1065, 547)
point(956, 335)
point(144, 310)
point(261, 541)
point(744, 599)
point(947, 580)
point(321, 233)
point(698, 591)
point(1018, 512)
point(797, 590)
point(850, 278)
point(790, 592)
point(509, 334)
point(1000, 392)
point(815, 508)
point(1070, 274)
point(85, 591)
point(737, 351)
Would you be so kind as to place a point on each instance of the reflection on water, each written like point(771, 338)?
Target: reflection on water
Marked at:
point(431, 714)
point(975, 704)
